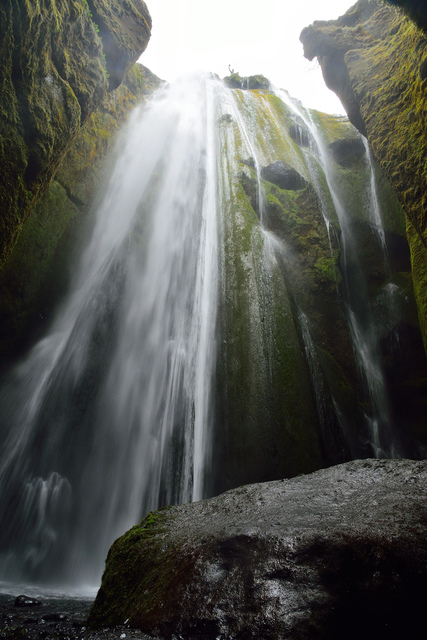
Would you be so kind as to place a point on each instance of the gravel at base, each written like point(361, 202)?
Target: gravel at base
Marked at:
point(55, 619)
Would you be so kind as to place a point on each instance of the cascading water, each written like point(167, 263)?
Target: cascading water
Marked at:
point(206, 340)
point(109, 416)
point(364, 333)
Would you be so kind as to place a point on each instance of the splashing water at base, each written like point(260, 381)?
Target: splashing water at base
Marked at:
point(109, 416)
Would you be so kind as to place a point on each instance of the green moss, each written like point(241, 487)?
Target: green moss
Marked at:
point(326, 269)
point(419, 275)
point(53, 76)
point(333, 127)
point(129, 558)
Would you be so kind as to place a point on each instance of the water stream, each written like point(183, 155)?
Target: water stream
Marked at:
point(110, 415)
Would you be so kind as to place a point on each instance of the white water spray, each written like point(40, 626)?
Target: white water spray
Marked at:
point(112, 408)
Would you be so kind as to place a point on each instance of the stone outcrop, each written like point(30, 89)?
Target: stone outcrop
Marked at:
point(58, 61)
point(236, 81)
point(375, 59)
point(338, 553)
point(124, 28)
point(284, 176)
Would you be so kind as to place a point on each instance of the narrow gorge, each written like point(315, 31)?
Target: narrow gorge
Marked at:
point(207, 285)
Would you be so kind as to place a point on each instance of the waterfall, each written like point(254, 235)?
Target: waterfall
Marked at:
point(109, 416)
point(219, 329)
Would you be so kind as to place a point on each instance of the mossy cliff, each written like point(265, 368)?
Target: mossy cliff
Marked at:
point(58, 59)
point(35, 273)
point(289, 391)
point(415, 9)
point(375, 59)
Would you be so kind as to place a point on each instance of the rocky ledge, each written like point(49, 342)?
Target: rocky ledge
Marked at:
point(338, 553)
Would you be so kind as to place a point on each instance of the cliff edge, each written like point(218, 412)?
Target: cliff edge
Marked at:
point(59, 59)
point(375, 59)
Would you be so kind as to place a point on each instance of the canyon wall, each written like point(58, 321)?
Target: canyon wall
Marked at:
point(375, 59)
point(59, 59)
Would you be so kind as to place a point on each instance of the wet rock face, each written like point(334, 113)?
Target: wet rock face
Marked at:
point(347, 151)
point(57, 63)
point(125, 29)
point(338, 553)
point(283, 175)
point(236, 81)
point(300, 134)
point(386, 102)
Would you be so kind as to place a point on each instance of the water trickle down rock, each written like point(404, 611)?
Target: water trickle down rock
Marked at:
point(386, 101)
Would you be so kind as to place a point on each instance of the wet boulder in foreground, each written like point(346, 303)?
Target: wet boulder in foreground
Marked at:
point(338, 553)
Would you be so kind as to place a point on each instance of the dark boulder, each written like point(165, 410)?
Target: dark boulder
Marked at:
point(340, 553)
point(300, 134)
point(251, 83)
point(27, 601)
point(284, 176)
point(347, 150)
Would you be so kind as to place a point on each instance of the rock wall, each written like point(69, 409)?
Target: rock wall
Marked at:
point(36, 272)
point(289, 390)
point(375, 59)
point(58, 59)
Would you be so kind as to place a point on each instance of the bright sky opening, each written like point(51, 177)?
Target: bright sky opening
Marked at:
point(251, 36)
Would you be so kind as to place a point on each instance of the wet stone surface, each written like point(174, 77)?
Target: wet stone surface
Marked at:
point(27, 618)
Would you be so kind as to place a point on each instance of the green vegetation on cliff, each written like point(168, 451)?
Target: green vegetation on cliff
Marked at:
point(375, 59)
point(58, 58)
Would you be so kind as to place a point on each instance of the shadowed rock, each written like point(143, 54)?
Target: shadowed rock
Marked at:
point(347, 150)
point(284, 176)
point(338, 553)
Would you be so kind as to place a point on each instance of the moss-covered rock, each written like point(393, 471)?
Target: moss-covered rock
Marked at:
point(315, 277)
point(54, 73)
point(375, 58)
point(236, 81)
point(36, 273)
point(124, 28)
point(341, 552)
